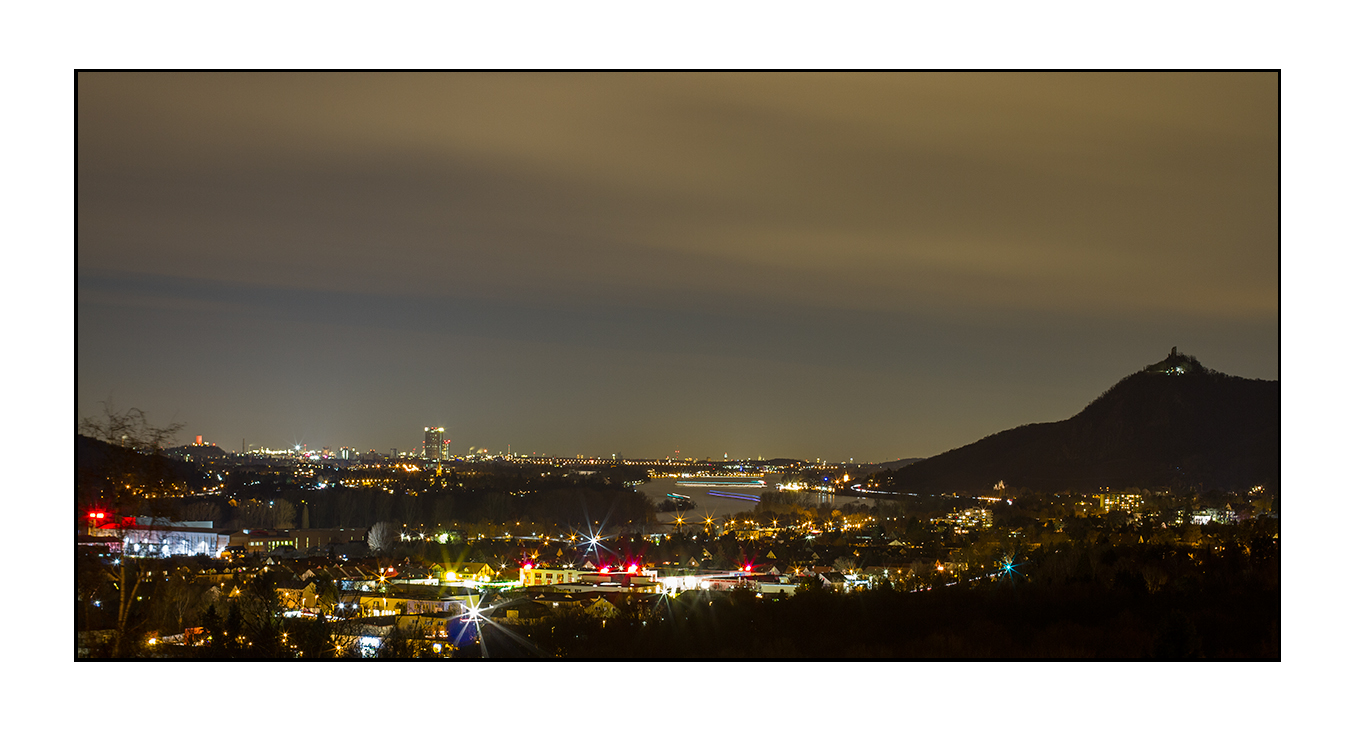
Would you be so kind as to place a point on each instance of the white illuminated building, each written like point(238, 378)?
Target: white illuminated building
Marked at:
point(153, 537)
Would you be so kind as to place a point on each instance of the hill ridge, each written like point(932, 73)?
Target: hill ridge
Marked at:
point(1172, 424)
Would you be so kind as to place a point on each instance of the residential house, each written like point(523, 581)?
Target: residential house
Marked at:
point(463, 571)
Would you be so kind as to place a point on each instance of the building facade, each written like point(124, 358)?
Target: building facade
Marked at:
point(148, 537)
point(435, 446)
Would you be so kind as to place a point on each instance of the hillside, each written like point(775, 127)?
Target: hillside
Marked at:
point(99, 462)
point(1174, 423)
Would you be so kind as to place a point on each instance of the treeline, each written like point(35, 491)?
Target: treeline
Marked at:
point(548, 503)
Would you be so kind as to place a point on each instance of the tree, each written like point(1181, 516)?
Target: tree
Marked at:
point(380, 537)
point(202, 511)
point(314, 638)
point(261, 610)
point(268, 514)
point(183, 598)
point(283, 514)
point(328, 595)
point(215, 629)
point(232, 627)
point(135, 476)
point(809, 584)
point(398, 643)
point(129, 429)
point(96, 592)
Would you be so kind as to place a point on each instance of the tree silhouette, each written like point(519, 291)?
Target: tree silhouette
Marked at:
point(135, 476)
point(380, 537)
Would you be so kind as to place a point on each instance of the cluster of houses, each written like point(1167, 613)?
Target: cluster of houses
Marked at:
point(439, 601)
point(330, 572)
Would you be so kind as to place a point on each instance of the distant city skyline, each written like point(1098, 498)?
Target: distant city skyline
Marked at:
point(827, 266)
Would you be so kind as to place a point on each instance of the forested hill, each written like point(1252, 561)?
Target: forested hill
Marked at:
point(98, 463)
point(1173, 424)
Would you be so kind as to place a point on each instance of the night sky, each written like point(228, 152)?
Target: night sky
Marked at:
point(835, 266)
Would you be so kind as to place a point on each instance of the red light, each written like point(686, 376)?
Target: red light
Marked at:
point(748, 567)
point(93, 516)
point(633, 568)
point(99, 515)
point(605, 569)
point(529, 565)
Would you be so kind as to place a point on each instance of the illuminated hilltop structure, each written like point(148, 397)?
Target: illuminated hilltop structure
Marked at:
point(1176, 364)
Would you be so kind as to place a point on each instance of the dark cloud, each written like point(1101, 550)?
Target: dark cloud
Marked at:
point(795, 263)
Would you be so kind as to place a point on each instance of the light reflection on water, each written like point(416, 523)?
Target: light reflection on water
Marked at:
point(705, 504)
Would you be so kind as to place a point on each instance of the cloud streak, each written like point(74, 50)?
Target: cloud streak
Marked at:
point(855, 202)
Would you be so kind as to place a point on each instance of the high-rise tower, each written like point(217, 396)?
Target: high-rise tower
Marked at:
point(434, 441)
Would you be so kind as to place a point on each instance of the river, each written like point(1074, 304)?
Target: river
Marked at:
point(711, 505)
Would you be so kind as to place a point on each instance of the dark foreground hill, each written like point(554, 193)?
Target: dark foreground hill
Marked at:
point(99, 464)
point(1174, 424)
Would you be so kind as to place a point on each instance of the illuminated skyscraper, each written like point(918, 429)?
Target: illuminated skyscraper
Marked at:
point(434, 443)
